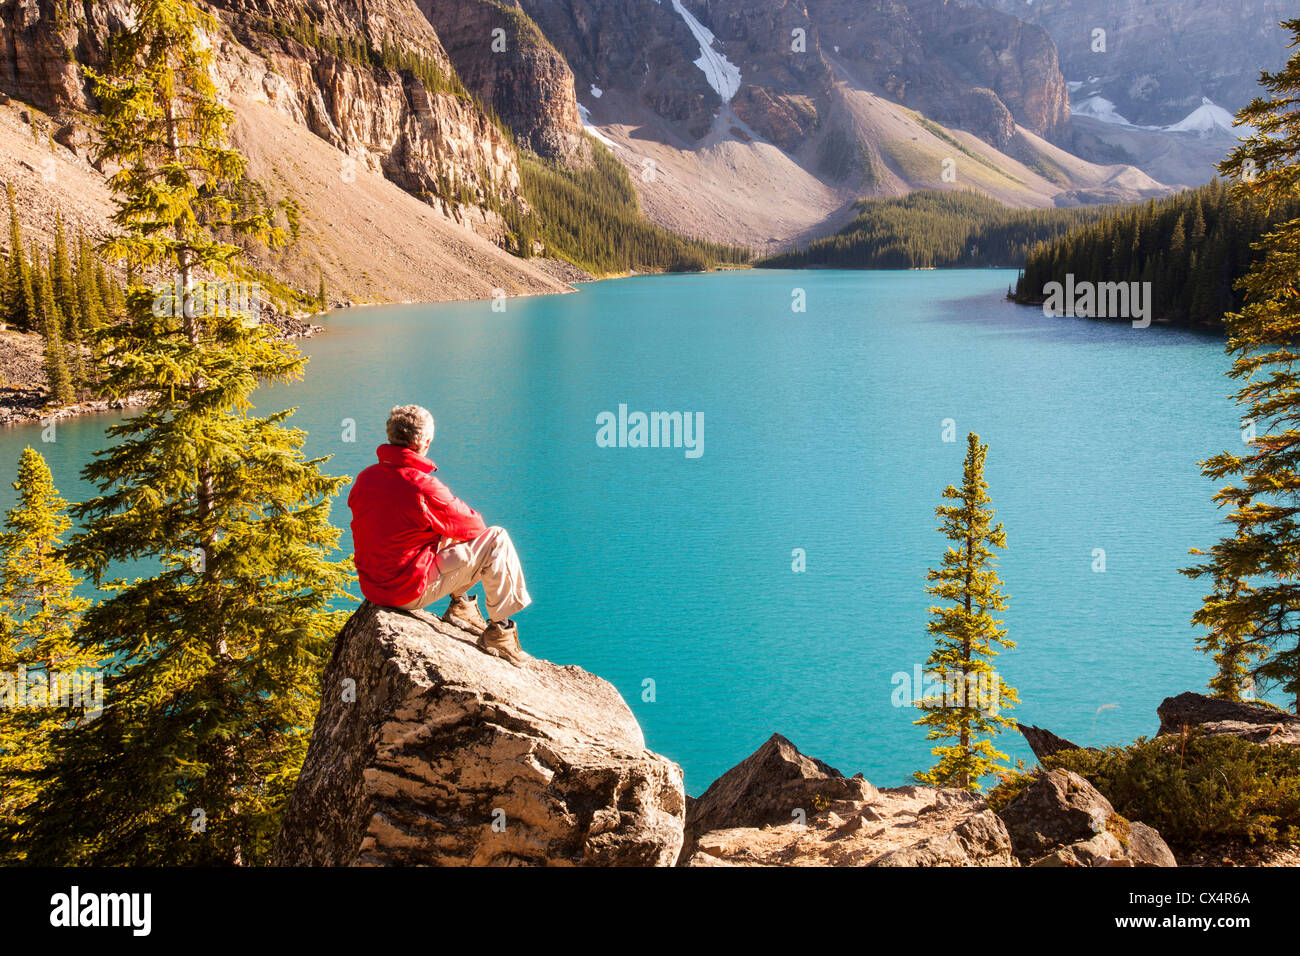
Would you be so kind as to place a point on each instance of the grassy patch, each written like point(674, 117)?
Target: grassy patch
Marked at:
point(934, 129)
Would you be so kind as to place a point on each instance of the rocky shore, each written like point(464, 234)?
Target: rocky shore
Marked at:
point(24, 391)
point(427, 751)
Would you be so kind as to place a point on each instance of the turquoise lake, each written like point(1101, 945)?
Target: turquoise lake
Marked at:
point(672, 576)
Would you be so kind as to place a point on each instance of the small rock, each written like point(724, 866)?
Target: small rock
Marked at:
point(1102, 849)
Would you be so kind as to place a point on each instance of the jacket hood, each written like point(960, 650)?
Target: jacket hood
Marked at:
point(399, 456)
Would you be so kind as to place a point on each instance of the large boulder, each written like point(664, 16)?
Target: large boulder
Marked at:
point(902, 826)
point(1256, 723)
point(771, 786)
point(1123, 844)
point(1060, 819)
point(779, 807)
point(427, 751)
point(1056, 809)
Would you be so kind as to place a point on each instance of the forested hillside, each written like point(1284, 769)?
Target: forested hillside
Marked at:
point(1192, 248)
point(592, 218)
point(935, 229)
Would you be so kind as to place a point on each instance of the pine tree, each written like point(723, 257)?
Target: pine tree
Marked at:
point(39, 611)
point(322, 303)
point(971, 698)
point(19, 292)
point(65, 291)
point(1254, 604)
point(50, 322)
point(221, 646)
point(92, 299)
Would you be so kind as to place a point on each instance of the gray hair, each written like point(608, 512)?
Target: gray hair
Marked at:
point(410, 426)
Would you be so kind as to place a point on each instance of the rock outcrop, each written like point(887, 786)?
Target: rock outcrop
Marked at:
point(1224, 718)
point(779, 807)
point(370, 77)
point(1060, 819)
point(1160, 57)
point(428, 751)
point(929, 54)
point(772, 785)
point(1044, 743)
point(504, 58)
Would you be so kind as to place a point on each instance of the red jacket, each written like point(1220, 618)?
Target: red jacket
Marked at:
point(399, 511)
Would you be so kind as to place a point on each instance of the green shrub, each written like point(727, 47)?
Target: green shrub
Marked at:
point(1012, 783)
point(1196, 787)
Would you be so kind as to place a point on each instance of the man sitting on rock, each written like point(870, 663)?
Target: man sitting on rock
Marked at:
point(416, 542)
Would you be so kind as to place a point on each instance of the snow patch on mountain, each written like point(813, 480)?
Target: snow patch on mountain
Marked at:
point(1099, 108)
point(722, 74)
point(1206, 118)
point(592, 129)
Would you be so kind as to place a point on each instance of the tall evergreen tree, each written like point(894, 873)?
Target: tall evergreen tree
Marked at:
point(219, 648)
point(91, 302)
point(19, 292)
point(1255, 571)
point(65, 290)
point(50, 321)
point(968, 708)
point(39, 611)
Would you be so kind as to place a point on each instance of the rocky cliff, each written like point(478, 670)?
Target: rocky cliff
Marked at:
point(350, 110)
point(370, 77)
point(504, 58)
point(931, 54)
point(1161, 57)
point(774, 62)
point(428, 751)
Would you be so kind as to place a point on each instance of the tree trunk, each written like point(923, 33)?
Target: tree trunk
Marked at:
point(218, 786)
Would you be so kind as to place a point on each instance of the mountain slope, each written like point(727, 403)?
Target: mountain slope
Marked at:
point(507, 61)
point(1157, 87)
point(1161, 58)
point(733, 186)
point(741, 123)
point(350, 109)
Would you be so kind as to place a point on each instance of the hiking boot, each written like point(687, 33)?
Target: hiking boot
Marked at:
point(463, 612)
point(501, 639)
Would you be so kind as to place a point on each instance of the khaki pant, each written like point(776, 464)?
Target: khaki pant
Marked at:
point(490, 558)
